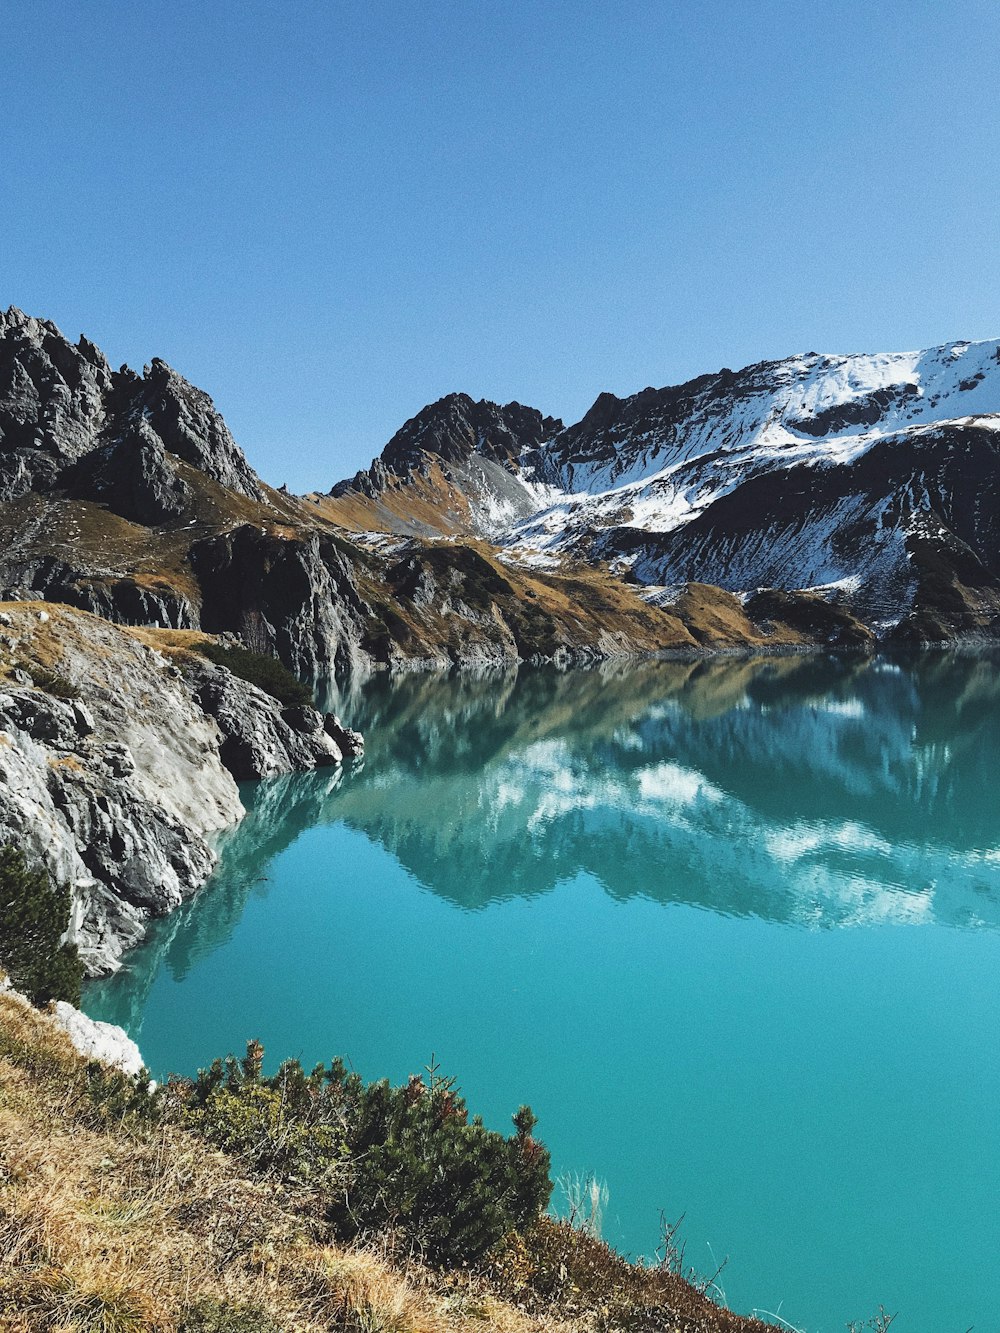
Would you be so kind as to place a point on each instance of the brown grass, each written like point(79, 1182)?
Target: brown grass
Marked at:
point(45, 644)
point(108, 1225)
point(422, 503)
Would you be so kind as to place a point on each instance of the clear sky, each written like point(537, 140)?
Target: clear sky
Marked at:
point(330, 212)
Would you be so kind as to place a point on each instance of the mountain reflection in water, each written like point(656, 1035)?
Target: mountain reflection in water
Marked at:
point(820, 791)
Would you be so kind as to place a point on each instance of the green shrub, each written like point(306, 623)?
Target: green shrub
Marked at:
point(419, 1165)
point(267, 673)
point(284, 1125)
point(405, 1160)
point(49, 681)
point(116, 1098)
point(33, 917)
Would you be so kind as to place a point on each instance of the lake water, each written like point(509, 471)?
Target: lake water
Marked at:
point(729, 926)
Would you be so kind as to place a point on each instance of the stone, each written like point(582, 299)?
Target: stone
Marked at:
point(119, 759)
point(297, 600)
point(105, 1042)
point(260, 738)
point(351, 742)
point(302, 719)
point(83, 718)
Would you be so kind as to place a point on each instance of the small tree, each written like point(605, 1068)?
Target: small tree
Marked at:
point(418, 1164)
point(404, 1161)
point(33, 917)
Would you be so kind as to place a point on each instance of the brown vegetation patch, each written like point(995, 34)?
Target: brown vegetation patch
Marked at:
point(115, 1223)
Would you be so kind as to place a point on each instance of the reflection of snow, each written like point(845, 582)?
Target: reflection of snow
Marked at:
point(817, 792)
point(801, 840)
point(844, 707)
point(671, 784)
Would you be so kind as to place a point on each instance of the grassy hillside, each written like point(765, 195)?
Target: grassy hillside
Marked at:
point(114, 1219)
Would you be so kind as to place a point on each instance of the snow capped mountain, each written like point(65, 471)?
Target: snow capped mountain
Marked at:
point(668, 454)
point(871, 477)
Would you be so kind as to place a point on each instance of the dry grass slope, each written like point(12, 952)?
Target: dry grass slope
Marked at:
point(109, 1224)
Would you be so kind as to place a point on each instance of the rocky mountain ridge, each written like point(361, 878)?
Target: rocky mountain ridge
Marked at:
point(126, 496)
point(67, 418)
point(872, 478)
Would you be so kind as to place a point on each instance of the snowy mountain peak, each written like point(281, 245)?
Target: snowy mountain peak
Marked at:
point(804, 407)
point(840, 473)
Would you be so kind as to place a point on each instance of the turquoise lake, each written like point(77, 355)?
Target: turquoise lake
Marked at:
point(730, 927)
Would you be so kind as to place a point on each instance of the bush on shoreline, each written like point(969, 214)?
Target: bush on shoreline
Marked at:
point(401, 1160)
point(34, 914)
point(267, 673)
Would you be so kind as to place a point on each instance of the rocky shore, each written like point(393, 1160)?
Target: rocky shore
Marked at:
point(120, 754)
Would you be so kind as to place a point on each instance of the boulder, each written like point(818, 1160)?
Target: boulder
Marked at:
point(260, 738)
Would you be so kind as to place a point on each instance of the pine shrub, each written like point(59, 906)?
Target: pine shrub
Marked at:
point(405, 1161)
point(418, 1165)
point(267, 673)
point(33, 917)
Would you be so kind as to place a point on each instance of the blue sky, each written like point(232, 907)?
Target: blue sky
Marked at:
point(329, 213)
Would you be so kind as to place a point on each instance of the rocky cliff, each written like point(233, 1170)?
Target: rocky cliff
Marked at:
point(67, 418)
point(119, 754)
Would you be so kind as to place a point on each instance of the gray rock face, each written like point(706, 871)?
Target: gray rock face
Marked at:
point(115, 793)
point(133, 476)
point(186, 421)
point(118, 792)
point(351, 742)
point(119, 598)
point(260, 738)
point(295, 599)
point(52, 401)
point(79, 807)
point(68, 419)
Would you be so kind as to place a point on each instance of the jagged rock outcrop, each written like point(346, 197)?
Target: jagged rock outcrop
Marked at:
point(186, 421)
point(132, 476)
point(116, 768)
point(452, 430)
point(52, 401)
point(347, 740)
point(124, 599)
point(123, 827)
point(260, 738)
point(67, 419)
point(453, 450)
